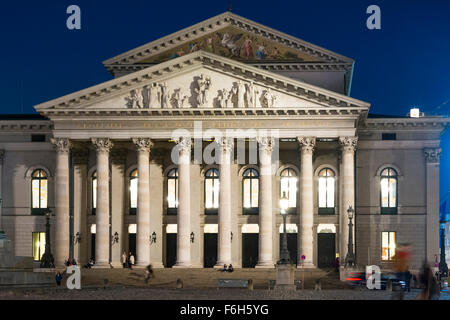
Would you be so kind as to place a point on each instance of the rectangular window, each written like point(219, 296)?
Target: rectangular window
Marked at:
point(38, 245)
point(388, 245)
point(388, 136)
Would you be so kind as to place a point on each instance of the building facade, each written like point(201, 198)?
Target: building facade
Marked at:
point(126, 165)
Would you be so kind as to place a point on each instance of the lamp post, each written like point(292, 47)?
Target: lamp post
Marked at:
point(443, 268)
point(350, 258)
point(284, 254)
point(47, 260)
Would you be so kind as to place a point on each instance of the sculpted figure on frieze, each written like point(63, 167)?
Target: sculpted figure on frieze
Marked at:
point(269, 98)
point(180, 100)
point(154, 95)
point(165, 96)
point(203, 86)
point(250, 95)
point(240, 94)
point(134, 100)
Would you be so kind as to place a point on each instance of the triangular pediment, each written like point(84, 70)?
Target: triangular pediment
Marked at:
point(231, 36)
point(200, 81)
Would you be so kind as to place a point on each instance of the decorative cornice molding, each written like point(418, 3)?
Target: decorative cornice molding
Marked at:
point(432, 155)
point(61, 144)
point(307, 144)
point(348, 144)
point(102, 144)
point(143, 144)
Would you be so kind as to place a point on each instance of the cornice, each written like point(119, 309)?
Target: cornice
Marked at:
point(21, 125)
point(219, 22)
point(426, 123)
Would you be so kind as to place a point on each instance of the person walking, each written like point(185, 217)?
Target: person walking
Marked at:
point(149, 273)
point(124, 259)
point(430, 287)
point(58, 278)
point(131, 260)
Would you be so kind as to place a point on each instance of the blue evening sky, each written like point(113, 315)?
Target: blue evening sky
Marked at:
point(405, 64)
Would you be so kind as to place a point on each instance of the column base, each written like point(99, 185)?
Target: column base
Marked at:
point(116, 265)
point(219, 265)
point(181, 265)
point(101, 265)
point(157, 265)
point(306, 265)
point(265, 265)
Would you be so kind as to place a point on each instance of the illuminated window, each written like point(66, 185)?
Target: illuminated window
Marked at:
point(288, 186)
point(39, 191)
point(389, 191)
point(388, 246)
point(211, 191)
point(38, 245)
point(133, 191)
point(326, 191)
point(172, 191)
point(250, 186)
point(94, 192)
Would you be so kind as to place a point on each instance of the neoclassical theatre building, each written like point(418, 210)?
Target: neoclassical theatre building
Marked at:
point(102, 159)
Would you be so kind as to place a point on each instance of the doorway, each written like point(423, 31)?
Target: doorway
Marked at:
point(326, 250)
point(93, 246)
point(171, 249)
point(132, 243)
point(209, 250)
point(250, 248)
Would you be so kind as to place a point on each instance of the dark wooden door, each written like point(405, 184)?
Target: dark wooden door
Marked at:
point(250, 247)
point(209, 250)
point(93, 246)
point(171, 249)
point(132, 244)
point(326, 250)
point(292, 246)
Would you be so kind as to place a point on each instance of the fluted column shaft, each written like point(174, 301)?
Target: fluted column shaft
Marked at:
point(102, 237)
point(143, 203)
point(184, 204)
point(348, 145)
point(306, 236)
point(62, 245)
point(224, 241)
point(265, 258)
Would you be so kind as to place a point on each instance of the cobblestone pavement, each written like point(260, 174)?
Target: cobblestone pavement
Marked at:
point(127, 293)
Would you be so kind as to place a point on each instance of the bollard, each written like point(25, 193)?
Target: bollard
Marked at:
point(389, 285)
point(250, 285)
point(179, 284)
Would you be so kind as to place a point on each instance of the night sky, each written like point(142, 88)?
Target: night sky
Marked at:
point(405, 64)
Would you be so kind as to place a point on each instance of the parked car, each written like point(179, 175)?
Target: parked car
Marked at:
point(356, 278)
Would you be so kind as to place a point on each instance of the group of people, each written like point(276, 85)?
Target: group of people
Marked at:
point(128, 260)
point(70, 262)
point(227, 268)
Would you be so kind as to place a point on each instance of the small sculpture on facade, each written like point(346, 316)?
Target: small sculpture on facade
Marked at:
point(250, 95)
point(134, 100)
point(203, 86)
point(222, 98)
point(180, 100)
point(269, 98)
point(165, 95)
point(240, 94)
point(154, 95)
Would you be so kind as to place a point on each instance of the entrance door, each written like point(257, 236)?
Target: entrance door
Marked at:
point(250, 247)
point(326, 250)
point(209, 250)
point(132, 244)
point(292, 246)
point(171, 249)
point(93, 246)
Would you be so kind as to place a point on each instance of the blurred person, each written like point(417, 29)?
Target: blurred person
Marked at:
point(149, 273)
point(430, 287)
point(230, 268)
point(124, 259)
point(131, 260)
point(58, 278)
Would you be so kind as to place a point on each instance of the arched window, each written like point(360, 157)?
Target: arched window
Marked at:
point(288, 186)
point(326, 191)
point(39, 191)
point(94, 192)
point(211, 191)
point(250, 190)
point(172, 191)
point(133, 191)
point(389, 191)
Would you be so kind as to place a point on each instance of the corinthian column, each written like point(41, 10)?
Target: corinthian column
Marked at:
point(224, 243)
point(306, 222)
point(143, 202)
point(102, 237)
point(348, 146)
point(432, 160)
point(265, 259)
point(62, 245)
point(184, 204)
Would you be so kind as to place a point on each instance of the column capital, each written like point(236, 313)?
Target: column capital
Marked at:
point(226, 144)
point(432, 155)
point(184, 144)
point(61, 144)
point(143, 144)
point(348, 144)
point(307, 144)
point(102, 144)
point(266, 143)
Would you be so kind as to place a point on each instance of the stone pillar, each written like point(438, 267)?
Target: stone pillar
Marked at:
point(184, 204)
point(80, 162)
point(265, 259)
point(306, 221)
point(432, 160)
point(224, 236)
point(118, 189)
point(348, 146)
point(61, 245)
point(143, 202)
point(102, 237)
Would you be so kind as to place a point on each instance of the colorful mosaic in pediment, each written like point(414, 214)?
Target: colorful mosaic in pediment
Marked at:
point(236, 44)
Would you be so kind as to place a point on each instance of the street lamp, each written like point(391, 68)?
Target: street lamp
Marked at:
point(350, 258)
point(284, 254)
point(443, 269)
point(47, 260)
